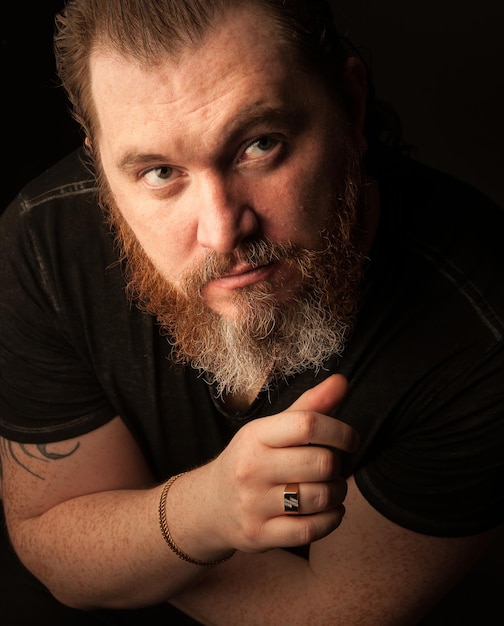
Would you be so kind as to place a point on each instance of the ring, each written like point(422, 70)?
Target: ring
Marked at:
point(291, 499)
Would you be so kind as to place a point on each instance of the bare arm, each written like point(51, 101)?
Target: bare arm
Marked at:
point(367, 572)
point(82, 514)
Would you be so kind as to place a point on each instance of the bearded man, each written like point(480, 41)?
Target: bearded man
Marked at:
point(252, 359)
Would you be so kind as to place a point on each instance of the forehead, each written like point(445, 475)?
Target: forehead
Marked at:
point(241, 67)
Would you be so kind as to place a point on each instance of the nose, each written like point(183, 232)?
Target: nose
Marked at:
point(225, 218)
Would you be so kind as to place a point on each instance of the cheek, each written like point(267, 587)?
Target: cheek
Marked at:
point(309, 203)
point(308, 192)
point(168, 242)
point(170, 248)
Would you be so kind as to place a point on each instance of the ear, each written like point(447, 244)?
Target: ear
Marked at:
point(355, 76)
point(88, 145)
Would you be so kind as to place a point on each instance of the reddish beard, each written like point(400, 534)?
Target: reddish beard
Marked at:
point(268, 338)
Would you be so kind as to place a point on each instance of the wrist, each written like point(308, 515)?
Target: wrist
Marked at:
point(168, 536)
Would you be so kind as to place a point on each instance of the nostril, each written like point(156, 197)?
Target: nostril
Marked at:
point(223, 228)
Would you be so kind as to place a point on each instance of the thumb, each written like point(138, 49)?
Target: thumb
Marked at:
point(324, 397)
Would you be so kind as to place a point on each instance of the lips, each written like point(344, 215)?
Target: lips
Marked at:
point(243, 276)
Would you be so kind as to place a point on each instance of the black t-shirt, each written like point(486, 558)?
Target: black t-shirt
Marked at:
point(425, 360)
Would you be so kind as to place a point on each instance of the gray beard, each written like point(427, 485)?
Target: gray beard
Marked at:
point(267, 339)
point(246, 356)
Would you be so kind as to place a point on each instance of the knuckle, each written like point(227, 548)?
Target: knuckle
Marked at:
point(327, 462)
point(323, 499)
point(243, 473)
point(317, 526)
point(307, 426)
point(251, 534)
point(349, 437)
point(308, 532)
point(330, 496)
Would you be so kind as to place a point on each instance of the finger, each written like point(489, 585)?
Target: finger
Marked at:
point(304, 464)
point(312, 498)
point(324, 397)
point(289, 531)
point(301, 428)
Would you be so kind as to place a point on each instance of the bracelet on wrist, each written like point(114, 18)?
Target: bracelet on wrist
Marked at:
point(163, 524)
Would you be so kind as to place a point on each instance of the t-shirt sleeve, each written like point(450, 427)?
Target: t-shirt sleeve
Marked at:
point(48, 389)
point(438, 469)
point(430, 377)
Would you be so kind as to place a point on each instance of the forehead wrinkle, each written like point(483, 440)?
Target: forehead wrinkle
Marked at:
point(245, 121)
point(191, 103)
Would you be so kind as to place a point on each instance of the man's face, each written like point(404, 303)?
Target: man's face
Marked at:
point(209, 156)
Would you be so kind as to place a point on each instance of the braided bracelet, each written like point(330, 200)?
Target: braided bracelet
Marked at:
point(163, 524)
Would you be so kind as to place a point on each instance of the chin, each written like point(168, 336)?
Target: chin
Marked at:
point(227, 310)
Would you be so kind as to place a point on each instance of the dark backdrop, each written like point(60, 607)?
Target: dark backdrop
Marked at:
point(37, 128)
point(439, 62)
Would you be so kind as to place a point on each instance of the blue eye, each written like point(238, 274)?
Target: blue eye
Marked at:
point(159, 176)
point(261, 147)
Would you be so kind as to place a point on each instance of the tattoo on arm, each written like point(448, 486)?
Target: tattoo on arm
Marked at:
point(30, 456)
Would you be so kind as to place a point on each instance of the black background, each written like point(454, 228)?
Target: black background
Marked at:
point(440, 63)
point(37, 128)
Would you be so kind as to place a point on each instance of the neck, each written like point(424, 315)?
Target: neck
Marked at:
point(239, 402)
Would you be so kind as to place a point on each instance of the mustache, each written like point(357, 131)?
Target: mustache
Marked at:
point(255, 254)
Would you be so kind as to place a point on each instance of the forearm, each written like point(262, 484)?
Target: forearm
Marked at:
point(104, 550)
point(271, 588)
point(88, 525)
point(368, 571)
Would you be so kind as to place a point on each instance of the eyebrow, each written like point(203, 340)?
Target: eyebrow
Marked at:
point(246, 120)
point(253, 116)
